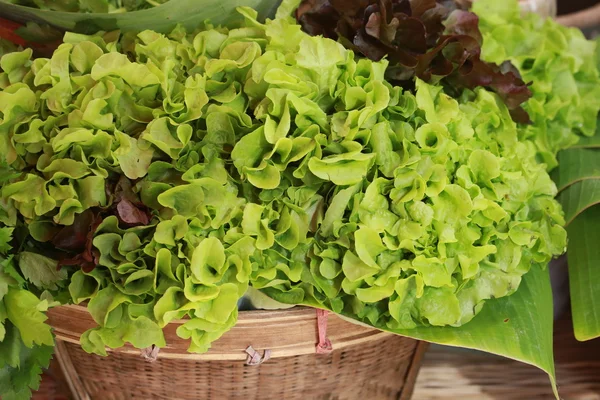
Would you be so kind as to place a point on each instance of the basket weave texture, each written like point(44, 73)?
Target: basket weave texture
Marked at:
point(364, 364)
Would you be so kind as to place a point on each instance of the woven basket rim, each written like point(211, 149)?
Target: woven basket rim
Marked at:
point(286, 332)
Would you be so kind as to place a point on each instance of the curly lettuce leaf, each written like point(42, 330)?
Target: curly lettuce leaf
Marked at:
point(422, 250)
point(561, 66)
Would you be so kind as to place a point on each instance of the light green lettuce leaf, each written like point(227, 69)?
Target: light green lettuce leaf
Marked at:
point(560, 63)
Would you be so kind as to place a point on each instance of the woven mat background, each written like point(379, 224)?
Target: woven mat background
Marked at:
point(452, 374)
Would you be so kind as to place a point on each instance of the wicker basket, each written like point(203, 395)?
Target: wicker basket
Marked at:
point(365, 363)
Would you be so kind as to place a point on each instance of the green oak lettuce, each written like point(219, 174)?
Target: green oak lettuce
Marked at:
point(164, 175)
point(443, 217)
point(561, 66)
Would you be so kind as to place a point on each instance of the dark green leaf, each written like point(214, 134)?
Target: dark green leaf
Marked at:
point(189, 13)
point(5, 238)
point(40, 270)
point(588, 143)
point(584, 273)
point(20, 366)
point(579, 197)
point(575, 165)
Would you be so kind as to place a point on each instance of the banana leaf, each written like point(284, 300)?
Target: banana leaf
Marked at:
point(519, 327)
point(578, 197)
point(576, 165)
point(584, 273)
point(592, 142)
point(190, 13)
point(579, 174)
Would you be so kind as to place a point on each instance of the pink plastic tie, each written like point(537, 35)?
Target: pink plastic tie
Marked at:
point(150, 354)
point(254, 358)
point(324, 346)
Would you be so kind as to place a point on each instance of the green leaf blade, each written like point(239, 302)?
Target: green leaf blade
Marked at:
point(576, 165)
point(579, 197)
point(584, 273)
point(588, 143)
point(190, 13)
